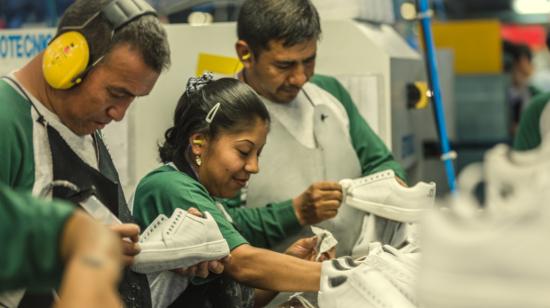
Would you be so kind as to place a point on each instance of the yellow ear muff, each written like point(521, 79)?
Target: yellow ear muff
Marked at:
point(65, 59)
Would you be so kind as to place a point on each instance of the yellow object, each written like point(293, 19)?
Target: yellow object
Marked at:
point(65, 60)
point(246, 56)
point(219, 65)
point(198, 142)
point(477, 45)
point(423, 101)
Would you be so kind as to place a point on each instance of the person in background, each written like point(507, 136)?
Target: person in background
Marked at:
point(52, 111)
point(534, 124)
point(317, 135)
point(520, 91)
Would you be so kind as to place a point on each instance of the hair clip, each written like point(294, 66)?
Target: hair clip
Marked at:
point(194, 84)
point(212, 113)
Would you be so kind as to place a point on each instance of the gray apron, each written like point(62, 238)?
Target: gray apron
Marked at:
point(288, 167)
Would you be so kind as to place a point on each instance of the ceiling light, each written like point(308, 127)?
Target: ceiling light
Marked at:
point(531, 6)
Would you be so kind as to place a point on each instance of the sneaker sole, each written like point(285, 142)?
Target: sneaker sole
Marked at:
point(146, 261)
point(386, 211)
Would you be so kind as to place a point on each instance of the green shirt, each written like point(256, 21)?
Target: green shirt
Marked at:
point(30, 233)
point(16, 145)
point(528, 135)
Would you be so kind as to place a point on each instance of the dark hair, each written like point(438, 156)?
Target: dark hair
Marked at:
point(514, 52)
point(239, 108)
point(145, 33)
point(292, 21)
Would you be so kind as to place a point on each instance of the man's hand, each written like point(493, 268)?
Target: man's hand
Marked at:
point(202, 269)
point(129, 235)
point(319, 202)
point(400, 181)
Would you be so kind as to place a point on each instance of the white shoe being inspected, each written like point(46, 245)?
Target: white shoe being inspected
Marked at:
point(362, 286)
point(181, 241)
point(380, 194)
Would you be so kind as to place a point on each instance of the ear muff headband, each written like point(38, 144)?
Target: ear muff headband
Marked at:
point(66, 60)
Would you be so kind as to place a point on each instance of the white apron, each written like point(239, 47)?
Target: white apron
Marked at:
point(288, 166)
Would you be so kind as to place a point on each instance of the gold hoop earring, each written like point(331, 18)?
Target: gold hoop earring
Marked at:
point(198, 160)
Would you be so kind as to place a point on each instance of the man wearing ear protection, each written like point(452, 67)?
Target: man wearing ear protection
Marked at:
point(104, 55)
point(317, 135)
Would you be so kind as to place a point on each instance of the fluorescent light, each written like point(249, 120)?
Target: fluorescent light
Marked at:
point(531, 6)
point(200, 19)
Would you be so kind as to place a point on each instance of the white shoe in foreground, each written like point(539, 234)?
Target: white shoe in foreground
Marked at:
point(473, 257)
point(181, 241)
point(509, 173)
point(362, 286)
point(380, 194)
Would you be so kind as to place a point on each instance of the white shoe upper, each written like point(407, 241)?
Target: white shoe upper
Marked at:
point(154, 230)
point(363, 286)
point(392, 266)
point(182, 229)
point(493, 254)
point(510, 173)
point(381, 194)
point(179, 241)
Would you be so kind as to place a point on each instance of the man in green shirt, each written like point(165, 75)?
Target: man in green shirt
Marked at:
point(317, 135)
point(52, 111)
point(42, 239)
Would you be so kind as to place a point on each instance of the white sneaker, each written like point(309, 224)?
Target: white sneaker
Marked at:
point(398, 268)
point(362, 286)
point(510, 173)
point(381, 195)
point(476, 258)
point(181, 241)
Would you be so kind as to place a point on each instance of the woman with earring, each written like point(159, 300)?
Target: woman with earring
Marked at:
point(220, 128)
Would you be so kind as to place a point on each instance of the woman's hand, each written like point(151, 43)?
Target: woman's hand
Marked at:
point(202, 269)
point(306, 249)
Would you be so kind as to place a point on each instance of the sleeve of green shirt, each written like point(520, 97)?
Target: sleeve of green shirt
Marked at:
point(30, 233)
point(528, 135)
point(165, 189)
point(372, 152)
point(16, 153)
point(266, 226)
